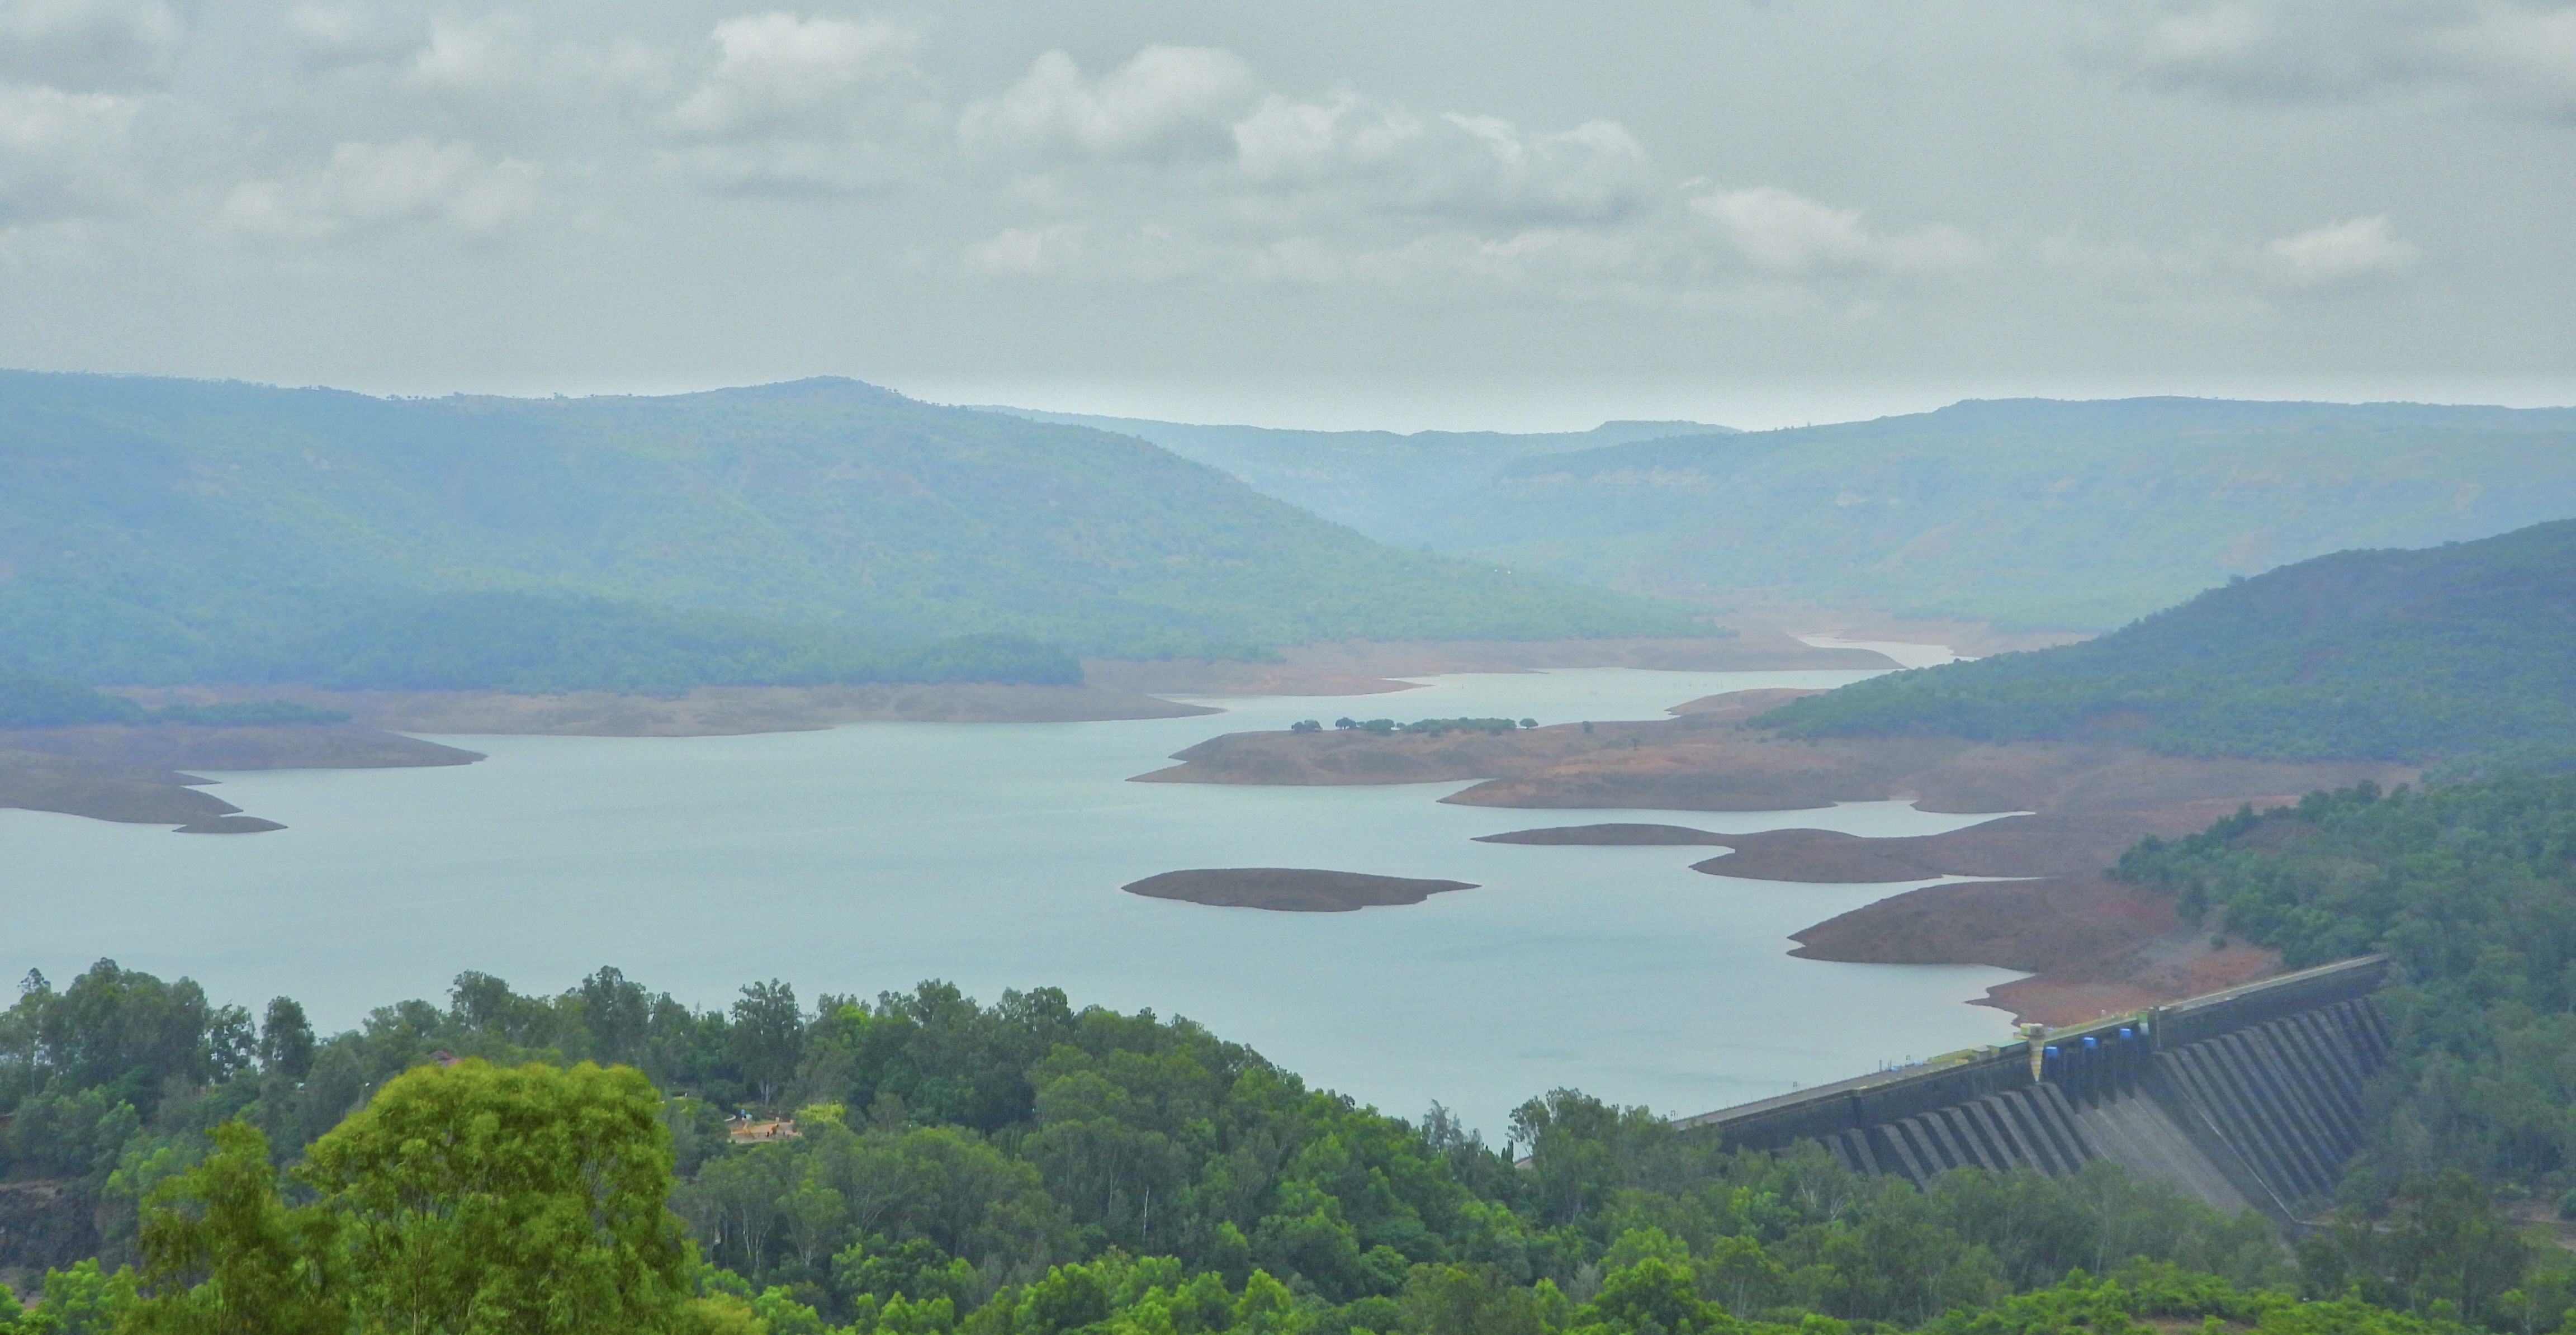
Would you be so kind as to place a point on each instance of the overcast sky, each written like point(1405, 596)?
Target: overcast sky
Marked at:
point(1319, 213)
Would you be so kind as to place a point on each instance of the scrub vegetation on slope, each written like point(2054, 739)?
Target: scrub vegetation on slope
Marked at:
point(2463, 654)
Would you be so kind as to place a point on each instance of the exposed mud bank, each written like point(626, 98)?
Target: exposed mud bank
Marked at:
point(1615, 835)
point(137, 773)
point(1289, 889)
point(1360, 667)
point(710, 711)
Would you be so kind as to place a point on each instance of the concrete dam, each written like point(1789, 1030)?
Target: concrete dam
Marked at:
point(2247, 1098)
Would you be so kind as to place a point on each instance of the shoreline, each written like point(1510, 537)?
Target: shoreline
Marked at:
point(2057, 814)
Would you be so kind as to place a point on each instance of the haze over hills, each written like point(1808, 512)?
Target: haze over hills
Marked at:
point(162, 531)
point(1398, 488)
point(2031, 513)
point(2463, 654)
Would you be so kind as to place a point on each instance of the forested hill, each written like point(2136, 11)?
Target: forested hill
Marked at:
point(2032, 513)
point(1398, 488)
point(157, 531)
point(2463, 654)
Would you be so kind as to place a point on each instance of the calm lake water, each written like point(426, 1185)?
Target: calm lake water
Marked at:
point(872, 856)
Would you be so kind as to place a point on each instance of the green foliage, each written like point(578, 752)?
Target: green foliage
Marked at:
point(525, 1198)
point(2460, 654)
point(160, 532)
point(460, 1199)
point(1027, 1168)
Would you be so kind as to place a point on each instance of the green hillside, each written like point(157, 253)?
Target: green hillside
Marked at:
point(160, 531)
point(1398, 488)
point(2031, 513)
point(2463, 654)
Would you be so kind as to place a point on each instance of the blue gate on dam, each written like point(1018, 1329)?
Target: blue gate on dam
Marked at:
point(2251, 1097)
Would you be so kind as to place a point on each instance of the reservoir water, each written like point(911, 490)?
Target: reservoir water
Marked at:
point(872, 856)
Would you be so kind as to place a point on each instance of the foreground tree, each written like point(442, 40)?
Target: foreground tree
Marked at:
point(467, 1198)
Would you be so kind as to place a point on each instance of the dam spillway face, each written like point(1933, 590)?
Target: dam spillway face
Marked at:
point(2248, 1098)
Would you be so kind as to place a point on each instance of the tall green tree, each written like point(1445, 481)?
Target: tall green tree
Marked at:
point(483, 1198)
point(223, 1254)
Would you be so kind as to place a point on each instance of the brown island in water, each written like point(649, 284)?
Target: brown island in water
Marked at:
point(2066, 811)
point(1289, 889)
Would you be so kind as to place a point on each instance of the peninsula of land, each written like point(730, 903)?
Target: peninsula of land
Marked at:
point(137, 773)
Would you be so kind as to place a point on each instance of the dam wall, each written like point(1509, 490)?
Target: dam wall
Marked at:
point(2251, 1097)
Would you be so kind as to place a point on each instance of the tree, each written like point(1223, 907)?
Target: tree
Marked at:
point(236, 1258)
point(476, 1197)
point(286, 1040)
point(768, 1036)
point(617, 1013)
point(1469, 1300)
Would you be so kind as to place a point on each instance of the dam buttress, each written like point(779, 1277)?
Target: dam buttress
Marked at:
point(2247, 1098)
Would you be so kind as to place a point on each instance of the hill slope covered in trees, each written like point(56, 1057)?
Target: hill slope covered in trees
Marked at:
point(2463, 654)
point(161, 531)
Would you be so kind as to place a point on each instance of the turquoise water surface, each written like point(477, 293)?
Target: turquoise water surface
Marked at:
point(872, 856)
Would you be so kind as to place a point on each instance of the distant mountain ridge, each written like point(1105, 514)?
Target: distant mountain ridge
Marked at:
point(2463, 656)
point(1397, 488)
point(158, 531)
point(2032, 513)
point(2026, 512)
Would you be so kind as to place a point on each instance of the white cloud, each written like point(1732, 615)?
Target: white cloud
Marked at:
point(1788, 233)
point(2517, 53)
point(326, 28)
point(1380, 154)
point(1162, 99)
point(802, 104)
point(384, 185)
point(58, 150)
point(1027, 252)
point(778, 72)
point(491, 50)
point(2344, 254)
point(88, 43)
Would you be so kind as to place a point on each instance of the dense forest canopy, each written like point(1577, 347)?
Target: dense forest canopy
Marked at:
point(2030, 513)
point(164, 531)
point(2462, 656)
point(1030, 1168)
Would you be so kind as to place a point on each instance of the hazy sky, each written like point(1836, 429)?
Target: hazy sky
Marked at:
point(1320, 213)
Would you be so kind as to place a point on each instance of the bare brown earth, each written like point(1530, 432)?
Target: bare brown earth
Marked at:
point(707, 711)
point(1289, 889)
point(136, 773)
point(1112, 688)
point(1971, 639)
point(1618, 834)
point(2095, 944)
